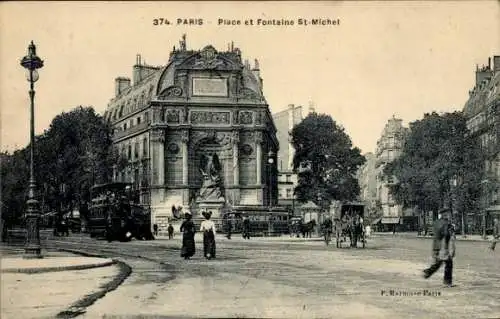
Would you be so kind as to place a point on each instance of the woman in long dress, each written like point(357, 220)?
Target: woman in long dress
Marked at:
point(188, 230)
point(208, 229)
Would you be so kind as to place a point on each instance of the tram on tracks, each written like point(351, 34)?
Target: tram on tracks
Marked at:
point(114, 215)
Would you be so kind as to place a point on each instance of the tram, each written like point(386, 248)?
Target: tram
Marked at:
point(262, 223)
point(114, 215)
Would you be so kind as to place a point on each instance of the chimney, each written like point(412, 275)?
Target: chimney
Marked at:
point(121, 84)
point(256, 71)
point(496, 63)
point(483, 73)
point(136, 72)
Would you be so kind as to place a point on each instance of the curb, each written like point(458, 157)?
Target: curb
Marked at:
point(54, 269)
point(79, 307)
point(461, 239)
point(430, 237)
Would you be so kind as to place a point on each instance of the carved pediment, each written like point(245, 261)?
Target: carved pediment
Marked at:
point(208, 59)
point(171, 91)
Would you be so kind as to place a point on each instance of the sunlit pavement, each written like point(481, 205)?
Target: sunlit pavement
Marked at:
point(299, 279)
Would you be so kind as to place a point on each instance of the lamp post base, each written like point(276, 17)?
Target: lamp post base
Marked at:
point(32, 248)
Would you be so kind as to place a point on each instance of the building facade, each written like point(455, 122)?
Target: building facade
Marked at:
point(482, 111)
point(287, 180)
point(196, 133)
point(389, 147)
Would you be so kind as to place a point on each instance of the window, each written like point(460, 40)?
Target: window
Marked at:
point(129, 154)
point(288, 178)
point(136, 150)
point(138, 120)
point(146, 117)
point(288, 193)
point(145, 147)
point(125, 126)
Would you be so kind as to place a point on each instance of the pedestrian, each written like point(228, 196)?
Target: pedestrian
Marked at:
point(209, 231)
point(229, 227)
point(155, 229)
point(246, 227)
point(170, 231)
point(443, 248)
point(188, 230)
point(496, 233)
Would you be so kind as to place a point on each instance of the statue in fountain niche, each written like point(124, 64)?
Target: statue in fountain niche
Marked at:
point(210, 169)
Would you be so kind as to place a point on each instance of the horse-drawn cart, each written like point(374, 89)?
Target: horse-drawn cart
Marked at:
point(349, 223)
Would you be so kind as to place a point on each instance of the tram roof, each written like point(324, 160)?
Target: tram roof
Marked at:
point(111, 186)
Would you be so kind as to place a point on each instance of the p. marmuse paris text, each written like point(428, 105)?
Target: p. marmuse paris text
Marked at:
point(277, 22)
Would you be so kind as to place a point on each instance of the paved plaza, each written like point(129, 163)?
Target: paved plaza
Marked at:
point(290, 278)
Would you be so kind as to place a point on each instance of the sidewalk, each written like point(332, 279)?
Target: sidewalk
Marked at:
point(477, 238)
point(59, 285)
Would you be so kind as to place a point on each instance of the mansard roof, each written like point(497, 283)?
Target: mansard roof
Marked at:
point(164, 82)
point(486, 93)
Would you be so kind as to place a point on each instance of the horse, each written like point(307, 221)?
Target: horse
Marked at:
point(307, 228)
point(355, 230)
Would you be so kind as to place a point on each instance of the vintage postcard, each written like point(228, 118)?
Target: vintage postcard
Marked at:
point(250, 159)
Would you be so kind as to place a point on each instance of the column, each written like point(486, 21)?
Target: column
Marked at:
point(158, 157)
point(185, 159)
point(161, 162)
point(236, 166)
point(258, 154)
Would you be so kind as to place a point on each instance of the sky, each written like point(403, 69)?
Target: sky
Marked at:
point(382, 59)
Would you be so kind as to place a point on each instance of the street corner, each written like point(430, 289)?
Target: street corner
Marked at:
point(48, 294)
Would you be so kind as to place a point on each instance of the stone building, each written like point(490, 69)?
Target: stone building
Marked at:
point(195, 133)
point(287, 180)
point(389, 147)
point(482, 111)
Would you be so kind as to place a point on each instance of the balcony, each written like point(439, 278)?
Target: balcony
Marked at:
point(130, 131)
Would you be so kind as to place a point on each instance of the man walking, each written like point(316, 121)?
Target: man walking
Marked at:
point(246, 227)
point(443, 248)
point(229, 227)
point(170, 231)
point(496, 233)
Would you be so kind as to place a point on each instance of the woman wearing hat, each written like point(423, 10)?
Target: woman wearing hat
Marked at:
point(188, 230)
point(208, 229)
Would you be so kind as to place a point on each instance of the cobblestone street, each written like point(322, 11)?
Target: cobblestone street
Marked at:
point(289, 278)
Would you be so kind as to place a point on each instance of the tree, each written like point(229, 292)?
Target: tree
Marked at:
point(325, 160)
point(437, 151)
point(74, 153)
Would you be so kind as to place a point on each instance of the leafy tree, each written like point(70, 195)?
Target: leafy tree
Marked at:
point(325, 160)
point(74, 153)
point(437, 151)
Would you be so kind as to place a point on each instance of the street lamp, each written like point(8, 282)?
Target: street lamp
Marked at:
point(270, 161)
point(32, 249)
point(454, 182)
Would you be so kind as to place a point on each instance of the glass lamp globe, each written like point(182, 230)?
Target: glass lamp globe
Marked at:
point(32, 75)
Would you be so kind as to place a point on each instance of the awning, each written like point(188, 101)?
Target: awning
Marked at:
point(376, 221)
point(390, 220)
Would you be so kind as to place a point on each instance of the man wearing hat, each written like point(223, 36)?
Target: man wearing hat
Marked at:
point(443, 247)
